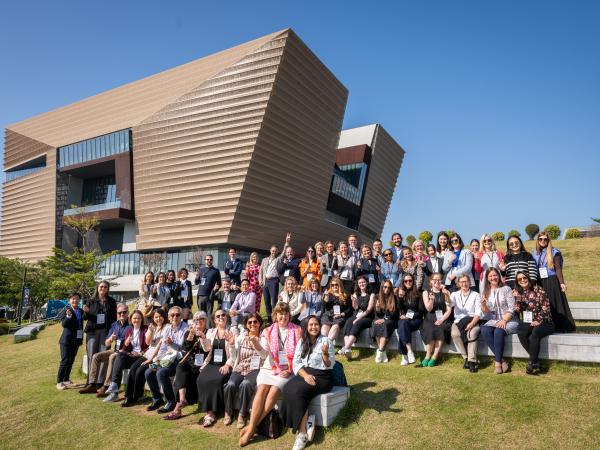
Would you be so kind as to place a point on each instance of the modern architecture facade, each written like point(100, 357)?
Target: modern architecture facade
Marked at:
point(233, 149)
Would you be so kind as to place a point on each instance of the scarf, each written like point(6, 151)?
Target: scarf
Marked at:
point(290, 345)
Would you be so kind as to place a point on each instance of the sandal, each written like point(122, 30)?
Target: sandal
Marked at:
point(208, 421)
point(241, 423)
point(227, 420)
point(174, 415)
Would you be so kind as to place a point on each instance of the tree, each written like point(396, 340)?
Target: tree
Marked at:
point(595, 220)
point(153, 261)
point(196, 258)
point(426, 237)
point(78, 270)
point(532, 229)
point(410, 239)
point(514, 233)
point(498, 236)
point(450, 233)
point(553, 231)
point(572, 233)
point(11, 278)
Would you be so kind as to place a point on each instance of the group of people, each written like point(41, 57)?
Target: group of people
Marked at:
point(224, 358)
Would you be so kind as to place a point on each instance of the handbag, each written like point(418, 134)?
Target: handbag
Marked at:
point(168, 359)
point(271, 426)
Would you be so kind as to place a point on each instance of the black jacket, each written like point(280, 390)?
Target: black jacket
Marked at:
point(109, 309)
point(283, 265)
point(70, 326)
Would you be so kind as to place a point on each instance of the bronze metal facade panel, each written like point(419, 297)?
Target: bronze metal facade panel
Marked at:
point(288, 180)
point(191, 158)
point(386, 160)
point(28, 209)
point(129, 104)
point(19, 149)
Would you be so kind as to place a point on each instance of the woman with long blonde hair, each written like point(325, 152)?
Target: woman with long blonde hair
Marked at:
point(251, 273)
point(387, 314)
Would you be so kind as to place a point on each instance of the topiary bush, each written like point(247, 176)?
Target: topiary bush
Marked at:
point(410, 239)
point(532, 229)
point(426, 237)
point(573, 233)
point(498, 236)
point(553, 231)
point(450, 233)
point(514, 233)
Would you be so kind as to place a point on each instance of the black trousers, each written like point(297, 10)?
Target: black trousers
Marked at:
point(530, 338)
point(136, 380)
point(122, 361)
point(68, 352)
point(270, 293)
point(246, 387)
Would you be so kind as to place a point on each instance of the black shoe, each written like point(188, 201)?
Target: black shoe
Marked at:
point(472, 367)
point(466, 364)
point(529, 368)
point(126, 403)
point(167, 408)
point(155, 405)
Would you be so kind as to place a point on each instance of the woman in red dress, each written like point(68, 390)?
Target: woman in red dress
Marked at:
point(252, 270)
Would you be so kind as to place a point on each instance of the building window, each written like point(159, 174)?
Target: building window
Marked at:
point(95, 148)
point(27, 168)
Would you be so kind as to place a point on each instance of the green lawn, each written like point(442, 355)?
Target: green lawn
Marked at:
point(390, 407)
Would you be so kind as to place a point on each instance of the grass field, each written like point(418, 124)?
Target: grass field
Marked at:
point(582, 258)
point(390, 407)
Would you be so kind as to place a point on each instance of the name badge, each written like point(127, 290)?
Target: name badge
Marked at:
point(283, 361)
point(79, 334)
point(371, 278)
point(410, 314)
point(336, 310)
point(345, 274)
point(255, 363)
point(100, 319)
point(286, 273)
point(527, 316)
point(198, 359)
point(543, 272)
point(202, 281)
point(118, 345)
point(309, 276)
point(218, 355)
point(325, 271)
point(438, 314)
point(226, 305)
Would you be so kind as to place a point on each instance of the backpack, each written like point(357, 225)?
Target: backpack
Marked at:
point(339, 377)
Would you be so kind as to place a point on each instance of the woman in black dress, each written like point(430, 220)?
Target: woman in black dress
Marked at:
point(219, 342)
point(189, 366)
point(363, 303)
point(368, 267)
point(313, 360)
point(435, 328)
point(338, 308)
point(410, 303)
point(387, 314)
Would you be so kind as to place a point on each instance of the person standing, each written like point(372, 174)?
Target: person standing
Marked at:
point(378, 251)
point(252, 274)
point(269, 276)
point(243, 305)
point(433, 265)
point(183, 292)
point(367, 266)
point(396, 249)
point(233, 267)
point(353, 246)
point(70, 340)
point(457, 262)
point(465, 329)
point(549, 262)
point(488, 257)
point(208, 279)
point(517, 259)
point(288, 266)
point(327, 264)
point(310, 267)
point(345, 267)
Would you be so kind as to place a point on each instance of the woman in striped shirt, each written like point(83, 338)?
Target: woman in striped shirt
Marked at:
point(517, 259)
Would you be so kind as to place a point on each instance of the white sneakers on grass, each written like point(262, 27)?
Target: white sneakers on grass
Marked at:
point(381, 356)
point(112, 397)
point(404, 361)
point(310, 427)
point(301, 440)
point(411, 358)
point(61, 386)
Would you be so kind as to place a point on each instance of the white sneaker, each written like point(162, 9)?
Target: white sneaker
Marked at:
point(340, 351)
point(404, 361)
point(300, 442)
point(384, 357)
point(378, 356)
point(310, 427)
point(112, 388)
point(112, 397)
point(61, 386)
point(411, 358)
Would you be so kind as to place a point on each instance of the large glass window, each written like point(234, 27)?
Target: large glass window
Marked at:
point(27, 168)
point(349, 181)
point(96, 148)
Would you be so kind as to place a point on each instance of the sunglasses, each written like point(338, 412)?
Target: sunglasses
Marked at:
point(487, 240)
point(121, 312)
point(454, 241)
point(335, 284)
point(252, 322)
point(521, 279)
point(408, 281)
point(220, 316)
point(543, 239)
point(174, 315)
point(514, 244)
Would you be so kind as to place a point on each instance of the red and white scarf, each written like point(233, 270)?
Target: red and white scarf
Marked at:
point(290, 344)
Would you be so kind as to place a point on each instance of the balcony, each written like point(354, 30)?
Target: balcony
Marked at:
point(92, 208)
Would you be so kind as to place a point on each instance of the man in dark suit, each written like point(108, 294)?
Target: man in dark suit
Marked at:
point(70, 339)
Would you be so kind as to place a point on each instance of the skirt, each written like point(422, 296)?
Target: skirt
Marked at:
point(432, 332)
point(297, 395)
point(385, 329)
point(559, 306)
point(210, 388)
point(326, 319)
point(265, 376)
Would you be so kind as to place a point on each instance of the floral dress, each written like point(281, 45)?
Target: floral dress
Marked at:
point(252, 271)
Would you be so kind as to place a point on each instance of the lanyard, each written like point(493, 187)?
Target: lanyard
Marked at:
point(464, 301)
point(496, 303)
point(282, 342)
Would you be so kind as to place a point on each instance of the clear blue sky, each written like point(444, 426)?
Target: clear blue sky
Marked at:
point(497, 104)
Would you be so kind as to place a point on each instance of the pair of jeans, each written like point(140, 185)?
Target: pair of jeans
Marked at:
point(270, 293)
point(406, 327)
point(122, 361)
point(531, 337)
point(161, 376)
point(494, 338)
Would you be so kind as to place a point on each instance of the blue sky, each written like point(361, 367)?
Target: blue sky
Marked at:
point(497, 104)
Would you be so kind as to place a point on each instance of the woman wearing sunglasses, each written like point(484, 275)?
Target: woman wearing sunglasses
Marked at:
point(389, 269)
point(189, 366)
point(435, 327)
point(345, 267)
point(219, 343)
point(387, 314)
point(488, 257)
point(246, 364)
point(337, 309)
point(363, 304)
point(549, 262)
point(410, 304)
point(458, 261)
point(533, 303)
point(517, 259)
point(310, 267)
point(276, 346)
point(410, 266)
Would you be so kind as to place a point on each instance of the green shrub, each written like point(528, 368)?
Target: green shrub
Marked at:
point(573, 233)
point(498, 236)
point(553, 231)
point(4, 328)
point(410, 239)
point(426, 237)
point(450, 233)
point(514, 233)
point(532, 229)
